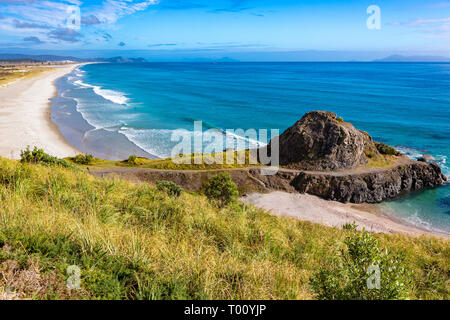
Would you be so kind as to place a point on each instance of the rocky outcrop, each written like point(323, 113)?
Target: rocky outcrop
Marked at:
point(321, 142)
point(371, 186)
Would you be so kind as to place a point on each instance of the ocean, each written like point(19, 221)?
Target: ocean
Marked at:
point(113, 110)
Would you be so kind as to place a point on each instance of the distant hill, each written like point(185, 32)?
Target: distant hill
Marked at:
point(54, 58)
point(13, 56)
point(223, 59)
point(122, 60)
point(227, 59)
point(400, 58)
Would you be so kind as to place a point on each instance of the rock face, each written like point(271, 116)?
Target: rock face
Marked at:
point(371, 186)
point(320, 142)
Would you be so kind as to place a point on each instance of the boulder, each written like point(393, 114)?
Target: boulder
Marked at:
point(321, 142)
point(426, 158)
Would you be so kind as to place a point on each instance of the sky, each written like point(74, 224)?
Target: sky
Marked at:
point(240, 29)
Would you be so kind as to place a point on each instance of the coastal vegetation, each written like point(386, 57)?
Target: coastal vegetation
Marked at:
point(132, 160)
point(382, 161)
point(355, 274)
point(10, 73)
point(136, 241)
point(386, 149)
point(221, 189)
point(39, 156)
point(169, 187)
point(83, 159)
point(192, 161)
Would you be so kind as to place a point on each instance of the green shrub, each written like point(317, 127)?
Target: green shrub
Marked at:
point(349, 274)
point(132, 159)
point(369, 154)
point(169, 187)
point(350, 226)
point(84, 159)
point(385, 149)
point(39, 156)
point(221, 189)
point(340, 119)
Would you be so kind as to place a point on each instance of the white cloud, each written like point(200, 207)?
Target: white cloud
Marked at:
point(34, 15)
point(42, 12)
point(112, 10)
point(439, 5)
point(432, 27)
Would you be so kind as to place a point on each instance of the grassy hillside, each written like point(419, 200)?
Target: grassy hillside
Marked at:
point(135, 242)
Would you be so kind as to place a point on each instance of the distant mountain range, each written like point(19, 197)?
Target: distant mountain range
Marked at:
point(119, 59)
point(400, 58)
point(53, 58)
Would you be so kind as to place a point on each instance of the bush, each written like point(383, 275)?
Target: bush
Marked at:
point(350, 226)
point(385, 149)
point(83, 159)
point(349, 274)
point(221, 189)
point(169, 187)
point(132, 159)
point(340, 119)
point(39, 156)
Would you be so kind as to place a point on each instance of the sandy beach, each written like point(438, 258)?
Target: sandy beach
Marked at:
point(25, 116)
point(330, 213)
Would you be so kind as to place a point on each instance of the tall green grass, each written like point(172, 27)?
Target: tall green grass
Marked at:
point(136, 242)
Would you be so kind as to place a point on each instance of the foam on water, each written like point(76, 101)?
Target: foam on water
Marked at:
point(95, 119)
point(111, 95)
point(159, 142)
point(410, 152)
point(415, 154)
point(154, 141)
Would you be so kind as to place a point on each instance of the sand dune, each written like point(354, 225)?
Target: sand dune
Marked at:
point(25, 116)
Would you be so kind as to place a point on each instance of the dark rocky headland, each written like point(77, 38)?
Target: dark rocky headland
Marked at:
point(339, 162)
point(320, 155)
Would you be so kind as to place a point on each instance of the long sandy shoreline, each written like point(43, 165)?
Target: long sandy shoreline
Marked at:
point(25, 116)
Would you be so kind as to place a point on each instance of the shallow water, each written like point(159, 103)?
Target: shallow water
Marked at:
point(403, 104)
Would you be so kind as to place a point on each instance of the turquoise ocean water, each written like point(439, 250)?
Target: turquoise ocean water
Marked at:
point(403, 104)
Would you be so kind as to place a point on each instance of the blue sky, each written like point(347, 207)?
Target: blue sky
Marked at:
point(246, 29)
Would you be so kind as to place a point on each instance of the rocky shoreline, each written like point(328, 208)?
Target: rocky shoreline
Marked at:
point(362, 186)
point(371, 187)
